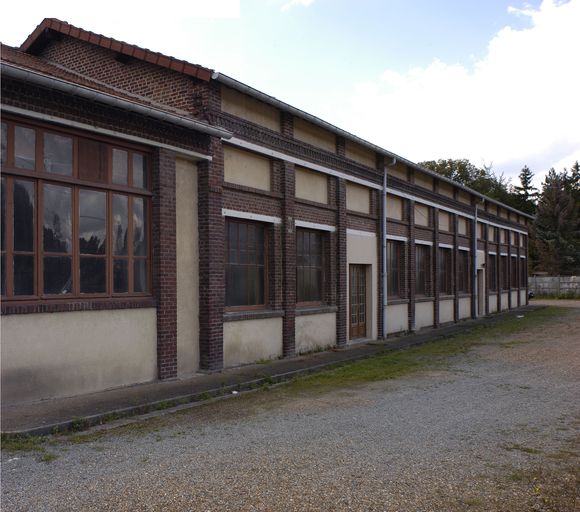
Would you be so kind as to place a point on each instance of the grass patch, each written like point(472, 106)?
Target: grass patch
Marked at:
point(48, 457)
point(558, 296)
point(23, 443)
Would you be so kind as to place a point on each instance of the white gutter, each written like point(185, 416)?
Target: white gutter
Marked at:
point(101, 97)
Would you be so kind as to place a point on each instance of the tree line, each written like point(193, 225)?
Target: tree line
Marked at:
point(554, 243)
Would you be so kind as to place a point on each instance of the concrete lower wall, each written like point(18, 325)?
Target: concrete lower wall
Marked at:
point(314, 332)
point(423, 314)
point(504, 301)
point(397, 318)
point(464, 308)
point(514, 295)
point(50, 355)
point(247, 341)
point(523, 297)
point(493, 303)
point(446, 311)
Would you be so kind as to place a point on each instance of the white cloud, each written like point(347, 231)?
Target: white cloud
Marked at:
point(294, 3)
point(517, 105)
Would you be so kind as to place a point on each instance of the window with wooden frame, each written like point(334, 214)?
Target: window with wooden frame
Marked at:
point(246, 269)
point(423, 270)
point(492, 272)
point(395, 268)
point(445, 271)
point(514, 272)
point(71, 227)
point(309, 266)
point(523, 273)
point(463, 266)
point(504, 272)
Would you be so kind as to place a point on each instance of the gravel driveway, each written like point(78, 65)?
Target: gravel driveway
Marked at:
point(497, 429)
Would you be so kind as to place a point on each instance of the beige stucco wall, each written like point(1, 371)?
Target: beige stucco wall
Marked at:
point(423, 180)
point(445, 189)
point(187, 269)
point(398, 170)
point(503, 213)
point(312, 134)
point(493, 303)
point(504, 301)
point(464, 307)
point(462, 224)
point(49, 355)
point(245, 168)
point(492, 208)
point(523, 297)
point(358, 198)
point(360, 154)
point(480, 259)
point(422, 215)
point(363, 250)
point(241, 105)
point(444, 221)
point(397, 318)
point(394, 207)
point(463, 197)
point(424, 314)
point(514, 299)
point(446, 311)
point(247, 341)
point(311, 185)
point(314, 332)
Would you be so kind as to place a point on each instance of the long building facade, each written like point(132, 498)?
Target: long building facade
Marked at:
point(160, 219)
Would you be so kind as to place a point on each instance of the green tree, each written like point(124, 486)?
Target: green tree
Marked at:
point(526, 194)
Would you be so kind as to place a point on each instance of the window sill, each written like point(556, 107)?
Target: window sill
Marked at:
point(315, 310)
point(66, 306)
point(422, 298)
point(394, 301)
point(252, 314)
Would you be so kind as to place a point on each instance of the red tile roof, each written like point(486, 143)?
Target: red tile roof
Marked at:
point(38, 38)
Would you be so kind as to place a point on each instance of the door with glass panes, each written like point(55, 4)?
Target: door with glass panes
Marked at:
point(358, 301)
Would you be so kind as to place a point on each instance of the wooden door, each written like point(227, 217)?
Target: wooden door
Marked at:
point(358, 301)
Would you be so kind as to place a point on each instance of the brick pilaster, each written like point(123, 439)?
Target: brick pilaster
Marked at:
point(287, 124)
point(411, 274)
point(509, 270)
point(473, 266)
point(435, 264)
point(165, 261)
point(455, 225)
point(289, 260)
point(340, 146)
point(341, 264)
point(211, 259)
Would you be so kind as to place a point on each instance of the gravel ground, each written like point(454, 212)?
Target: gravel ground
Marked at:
point(495, 430)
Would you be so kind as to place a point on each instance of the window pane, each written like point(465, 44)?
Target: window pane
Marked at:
point(24, 148)
point(93, 222)
point(139, 171)
point(120, 225)
point(23, 275)
point(92, 160)
point(57, 275)
point(4, 142)
point(93, 275)
point(57, 215)
point(121, 276)
point(58, 154)
point(2, 275)
point(3, 212)
point(23, 215)
point(140, 276)
point(139, 227)
point(120, 167)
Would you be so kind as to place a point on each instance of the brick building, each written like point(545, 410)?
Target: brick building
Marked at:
point(160, 219)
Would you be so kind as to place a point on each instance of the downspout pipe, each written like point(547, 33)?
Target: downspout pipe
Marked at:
point(113, 101)
point(384, 247)
point(475, 297)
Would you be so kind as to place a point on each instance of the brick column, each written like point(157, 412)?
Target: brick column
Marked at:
point(411, 265)
point(340, 146)
point(289, 260)
point(509, 270)
point(165, 261)
point(341, 264)
point(455, 224)
point(435, 264)
point(211, 259)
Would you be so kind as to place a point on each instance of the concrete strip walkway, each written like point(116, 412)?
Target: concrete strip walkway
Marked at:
point(81, 412)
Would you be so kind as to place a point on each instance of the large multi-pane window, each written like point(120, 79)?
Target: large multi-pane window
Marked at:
point(245, 263)
point(445, 271)
point(69, 228)
point(504, 272)
point(492, 272)
point(463, 272)
point(523, 273)
point(514, 272)
point(423, 269)
point(395, 268)
point(309, 266)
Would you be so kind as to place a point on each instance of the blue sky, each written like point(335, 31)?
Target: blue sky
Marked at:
point(493, 81)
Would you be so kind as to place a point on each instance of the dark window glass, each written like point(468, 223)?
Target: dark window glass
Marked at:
point(24, 148)
point(121, 276)
point(245, 272)
point(23, 275)
point(120, 167)
point(492, 272)
point(140, 276)
point(394, 269)
point(57, 275)
point(2, 275)
point(309, 271)
point(92, 222)
point(120, 225)
point(57, 219)
point(139, 171)
point(93, 275)
point(514, 272)
point(93, 161)
point(23, 215)
point(423, 264)
point(504, 272)
point(58, 154)
point(445, 271)
point(463, 272)
point(3, 212)
point(4, 143)
point(139, 227)
point(523, 273)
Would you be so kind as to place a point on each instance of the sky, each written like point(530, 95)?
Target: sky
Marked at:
point(493, 81)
